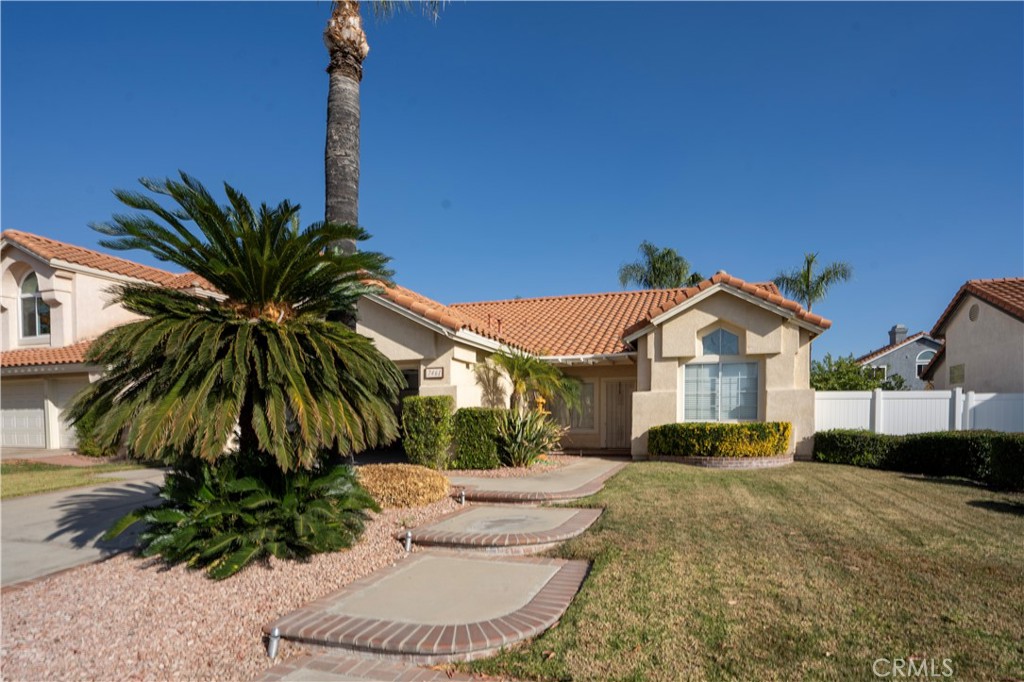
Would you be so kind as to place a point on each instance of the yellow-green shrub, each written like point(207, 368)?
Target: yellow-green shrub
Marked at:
point(402, 485)
point(712, 439)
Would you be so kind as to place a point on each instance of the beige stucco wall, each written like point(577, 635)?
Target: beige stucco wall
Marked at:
point(780, 347)
point(409, 343)
point(991, 349)
point(81, 307)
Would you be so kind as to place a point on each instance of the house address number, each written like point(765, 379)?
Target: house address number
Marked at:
point(433, 372)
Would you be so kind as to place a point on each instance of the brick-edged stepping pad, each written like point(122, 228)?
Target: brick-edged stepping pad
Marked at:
point(505, 529)
point(434, 607)
point(571, 482)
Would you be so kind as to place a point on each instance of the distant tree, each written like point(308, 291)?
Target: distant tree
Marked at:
point(844, 374)
point(658, 268)
point(808, 284)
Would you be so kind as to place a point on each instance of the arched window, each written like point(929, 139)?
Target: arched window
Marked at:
point(923, 358)
point(35, 314)
point(720, 391)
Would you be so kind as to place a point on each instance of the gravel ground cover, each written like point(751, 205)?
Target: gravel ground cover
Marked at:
point(130, 618)
point(549, 463)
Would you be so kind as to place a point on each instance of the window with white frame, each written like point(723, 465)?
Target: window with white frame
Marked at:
point(35, 314)
point(582, 418)
point(923, 358)
point(723, 390)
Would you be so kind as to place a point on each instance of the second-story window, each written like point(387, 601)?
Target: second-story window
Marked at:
point(35, 314)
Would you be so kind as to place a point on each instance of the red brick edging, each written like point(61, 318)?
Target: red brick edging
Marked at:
point(417, 643)
point(729, 462)
point(579, 522)
point(340, 664)
point(475, 494)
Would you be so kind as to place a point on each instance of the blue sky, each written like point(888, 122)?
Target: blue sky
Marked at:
point(525, 149)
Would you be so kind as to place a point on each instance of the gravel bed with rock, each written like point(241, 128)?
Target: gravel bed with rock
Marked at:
point(549, 463)
point(131, 618)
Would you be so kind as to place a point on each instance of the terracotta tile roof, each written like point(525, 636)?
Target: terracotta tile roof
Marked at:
point(584, 324)
point(892, 346)
point(763, 290)
point(51, 249)
point(1006, 294)
point(28, 357)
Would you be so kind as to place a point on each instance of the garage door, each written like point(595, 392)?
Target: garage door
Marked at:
point(63, 391)
point(21, 414)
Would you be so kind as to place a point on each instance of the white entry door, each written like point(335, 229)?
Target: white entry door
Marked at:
point(618, 412)
point(22, 415)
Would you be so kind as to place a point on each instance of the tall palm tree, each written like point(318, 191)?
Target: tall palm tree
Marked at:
point(658, 268)
point(808, 285)
point(530, 376)
point(347, 47)
point(261, 354)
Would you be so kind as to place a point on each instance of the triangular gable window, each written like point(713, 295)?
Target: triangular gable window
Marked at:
point(721, 342)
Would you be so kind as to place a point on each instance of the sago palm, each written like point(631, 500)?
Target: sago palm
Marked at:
point(260, 355)
point(658, 268)
point(530, 376)
point(807, 284)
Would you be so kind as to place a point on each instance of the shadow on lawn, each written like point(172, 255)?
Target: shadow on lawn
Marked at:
point(87, 516)
point(1015, 508)
point(945, 480)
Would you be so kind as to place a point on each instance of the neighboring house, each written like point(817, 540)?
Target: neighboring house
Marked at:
point(54, 299)
point(904, 355)
point(983, 330)
point(726, 350)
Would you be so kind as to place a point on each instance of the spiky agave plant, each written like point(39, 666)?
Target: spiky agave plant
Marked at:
point(260, 354)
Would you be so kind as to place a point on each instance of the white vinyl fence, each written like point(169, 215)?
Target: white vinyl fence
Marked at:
point(900, 412)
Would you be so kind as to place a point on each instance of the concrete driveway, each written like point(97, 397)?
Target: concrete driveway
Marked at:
point(42, 534)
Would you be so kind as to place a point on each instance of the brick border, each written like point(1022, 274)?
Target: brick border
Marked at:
point(729, 462)
point(475, 493)
point(341, 664)
point(576, 524)
point(429, 644)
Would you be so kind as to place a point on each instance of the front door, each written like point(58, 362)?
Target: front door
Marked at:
point(618, 413)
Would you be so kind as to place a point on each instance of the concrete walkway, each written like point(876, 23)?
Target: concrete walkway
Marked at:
point(570, 482)
point(51, 532)
point(448, 605)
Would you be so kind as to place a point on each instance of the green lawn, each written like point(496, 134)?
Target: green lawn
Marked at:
point(811, 571)
point(28, 478)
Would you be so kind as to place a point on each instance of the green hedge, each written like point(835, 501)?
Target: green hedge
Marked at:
point(427, 429)
point(989, 456)
point(711, 439)
point(476, 438)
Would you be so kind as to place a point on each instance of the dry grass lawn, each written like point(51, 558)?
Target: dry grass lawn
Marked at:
point(810, 571)
point(23, 477)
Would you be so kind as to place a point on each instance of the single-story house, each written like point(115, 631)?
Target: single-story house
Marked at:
point(905, 356)
point(725, 350)
point(983, 330)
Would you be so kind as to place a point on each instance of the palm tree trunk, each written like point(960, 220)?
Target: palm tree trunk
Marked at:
point(347, 47)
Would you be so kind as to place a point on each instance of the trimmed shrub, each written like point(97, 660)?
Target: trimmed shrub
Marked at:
point(476, 438)
point(856, 447)
point(712, 439)
point(990, 456)
point(402, 485)
point(524, 436)
point(243, 508)
point(427, 429)
point(1006, 463)
point(85, 441)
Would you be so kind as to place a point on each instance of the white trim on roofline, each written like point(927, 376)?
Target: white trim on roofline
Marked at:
point(588, 359)
point(713, 289)
point(467, 337)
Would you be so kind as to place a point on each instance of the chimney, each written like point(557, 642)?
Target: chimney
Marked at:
point(898, 334)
